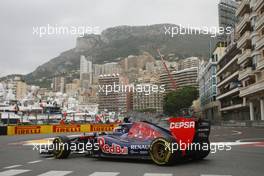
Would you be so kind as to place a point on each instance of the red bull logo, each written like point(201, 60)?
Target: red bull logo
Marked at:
point(113, 149)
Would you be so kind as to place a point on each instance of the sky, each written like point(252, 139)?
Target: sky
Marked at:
point(22, 49)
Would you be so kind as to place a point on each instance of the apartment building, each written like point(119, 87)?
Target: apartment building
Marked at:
point(189, 63)
point(186, 77)
point(21, 90)
point(226, 15)
point(115, 99)
point(232, 106)
point(250, 29)
point(58, 83)
point(17, 87)
point(86, 68)
point(207, 88)
point(154, 100)
point(72, 89)
point(108, 68)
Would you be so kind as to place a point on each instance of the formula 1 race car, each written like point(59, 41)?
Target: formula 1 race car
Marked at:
point(141, 140)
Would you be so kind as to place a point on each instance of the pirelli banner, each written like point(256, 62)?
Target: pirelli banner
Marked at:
point(28, 129)
point(67, 128)
point(102, 127)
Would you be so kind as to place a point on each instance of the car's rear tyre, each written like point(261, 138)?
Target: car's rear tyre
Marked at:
point(61, 146)
point(161, 152)
point(203, 152)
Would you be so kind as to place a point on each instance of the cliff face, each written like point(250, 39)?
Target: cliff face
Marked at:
point(123, 41)
point(88, 42)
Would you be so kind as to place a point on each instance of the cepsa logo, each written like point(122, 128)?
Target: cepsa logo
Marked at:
point(182, 125)
point(113, 149)
point(183, 129)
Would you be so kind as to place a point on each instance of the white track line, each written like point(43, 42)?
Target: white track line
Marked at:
point(32, 162)
point(104, 174)
point(55, 173)
point(250, 139)
point(214, 175)
point(50, 158)
point(13, 166)
point(157, 174)
point(236, 132)
point(233, 143)
point(13, 172)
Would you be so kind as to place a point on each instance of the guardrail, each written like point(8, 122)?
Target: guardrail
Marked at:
point(247, 123)
point(48, 129)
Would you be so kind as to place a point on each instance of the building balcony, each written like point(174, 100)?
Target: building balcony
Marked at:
point(232, 107)
point(255, 53)
point(243, 39)
point(242, 23)
point(260, 22)
point(258, 5)
point(221, 70)
point(243, 6)
point(222, 82)
point(244, 56)
point(260, 43)
point(251, 89)
point(260, 64)
point(231, 92)
point(245, 73)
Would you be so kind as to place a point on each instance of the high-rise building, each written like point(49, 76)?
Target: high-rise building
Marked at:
point(86, 69)
point(207, 87)
point(21, 90)
point(232, 106)
point(227, 15)
point(58, 84)
point(72, 89)
point(115, 99)
point(153, 101)
point(111, 68)
point(250, 29)
point(104, 69)
point(186, 77)
point(189, 63)
point(3, 91)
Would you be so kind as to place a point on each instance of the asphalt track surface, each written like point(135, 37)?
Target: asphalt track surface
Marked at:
point(246, 158)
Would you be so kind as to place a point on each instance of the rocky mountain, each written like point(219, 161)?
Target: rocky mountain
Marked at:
point(119, 42)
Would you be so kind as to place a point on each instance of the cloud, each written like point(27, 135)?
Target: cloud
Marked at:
point(22, 52)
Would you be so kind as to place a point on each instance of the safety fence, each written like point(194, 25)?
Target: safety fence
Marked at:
point(47, 129)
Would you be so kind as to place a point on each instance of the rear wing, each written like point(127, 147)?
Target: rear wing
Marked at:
point(188, 130)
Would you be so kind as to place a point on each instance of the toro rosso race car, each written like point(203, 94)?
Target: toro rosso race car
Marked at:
point(180, 139)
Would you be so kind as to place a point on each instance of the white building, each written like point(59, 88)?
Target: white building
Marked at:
point(86, 69)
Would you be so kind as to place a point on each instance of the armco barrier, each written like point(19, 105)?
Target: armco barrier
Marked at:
point(68, 128)
point(3, 130)
point(245, 123)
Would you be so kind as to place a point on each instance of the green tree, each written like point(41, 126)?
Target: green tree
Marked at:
point(175, 101)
